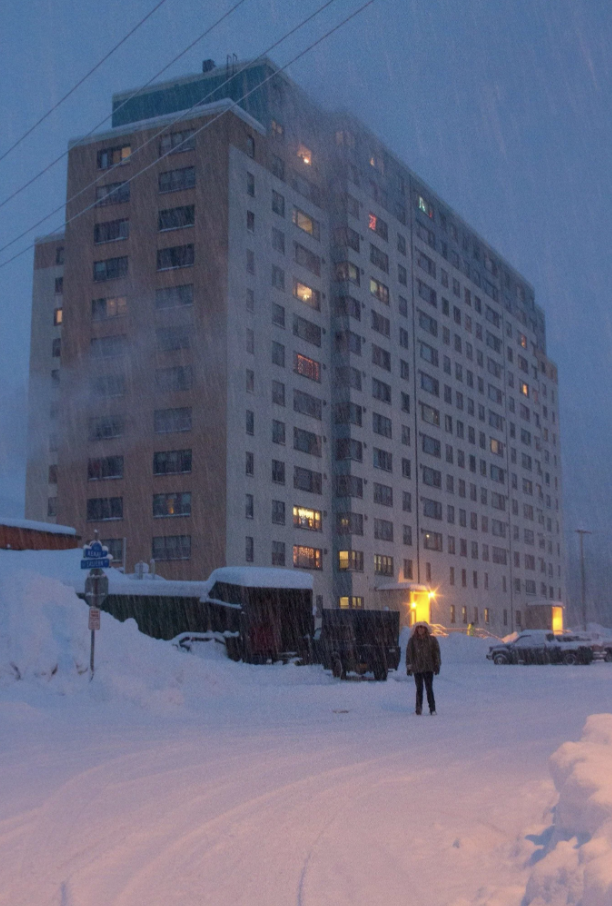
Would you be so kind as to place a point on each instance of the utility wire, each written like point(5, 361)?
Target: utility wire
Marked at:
point(181, 116)
point(83, 79)
point(122, 105)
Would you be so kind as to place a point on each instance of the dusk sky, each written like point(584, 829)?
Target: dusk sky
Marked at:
point(503, 108)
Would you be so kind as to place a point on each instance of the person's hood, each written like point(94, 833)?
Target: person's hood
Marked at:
point(421, 623)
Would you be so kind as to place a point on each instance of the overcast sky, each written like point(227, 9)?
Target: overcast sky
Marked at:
point(503, 108)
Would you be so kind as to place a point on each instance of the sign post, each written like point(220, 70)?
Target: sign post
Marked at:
point(95, 559)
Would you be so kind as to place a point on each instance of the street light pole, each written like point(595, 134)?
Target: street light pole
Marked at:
point(581, 533)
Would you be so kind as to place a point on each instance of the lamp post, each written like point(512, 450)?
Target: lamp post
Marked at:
point(581, 533)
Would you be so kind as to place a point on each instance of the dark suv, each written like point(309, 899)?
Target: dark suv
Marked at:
point(358, 641)
point(539, 646)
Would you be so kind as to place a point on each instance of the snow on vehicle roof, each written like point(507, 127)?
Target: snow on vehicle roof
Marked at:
point(31, 525)
point(261, 577)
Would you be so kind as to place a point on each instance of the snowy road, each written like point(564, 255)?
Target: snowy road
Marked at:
point(280, 786)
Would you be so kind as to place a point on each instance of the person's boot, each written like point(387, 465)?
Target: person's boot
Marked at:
point(418, 711)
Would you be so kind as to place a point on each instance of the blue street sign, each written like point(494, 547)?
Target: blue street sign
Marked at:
point(98, 563)
point(95, 556)
point(95, 549)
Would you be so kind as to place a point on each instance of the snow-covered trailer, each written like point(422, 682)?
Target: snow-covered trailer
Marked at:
point(265, 614)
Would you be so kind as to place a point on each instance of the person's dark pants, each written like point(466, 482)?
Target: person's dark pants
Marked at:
point(419, 679)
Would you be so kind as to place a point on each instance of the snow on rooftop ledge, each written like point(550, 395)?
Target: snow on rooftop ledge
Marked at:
point(261, 577)
point(37, 526)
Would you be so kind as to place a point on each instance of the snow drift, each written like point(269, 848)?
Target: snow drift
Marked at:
point(577, 868)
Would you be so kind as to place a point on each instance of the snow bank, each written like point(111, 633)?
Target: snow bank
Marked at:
point(261, 577)
point(45, 645)
point(577, 867)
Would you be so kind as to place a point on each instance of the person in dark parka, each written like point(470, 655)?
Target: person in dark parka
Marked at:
point(422, 662)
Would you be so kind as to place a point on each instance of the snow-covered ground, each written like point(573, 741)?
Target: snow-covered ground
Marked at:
point(174, 779)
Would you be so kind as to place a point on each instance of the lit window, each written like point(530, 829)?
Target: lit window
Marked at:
point(57, 316)
point(306, 294)
point(305, 154)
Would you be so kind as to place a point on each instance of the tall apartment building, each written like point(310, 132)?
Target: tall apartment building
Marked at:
point(280, 347)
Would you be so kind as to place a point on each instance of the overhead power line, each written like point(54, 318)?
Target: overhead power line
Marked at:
point(127, 100)
point(81, 80)
point(180, 116)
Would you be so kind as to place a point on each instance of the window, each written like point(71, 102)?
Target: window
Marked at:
point(432, 541)
point(176, 218)
point(278, 512)
point(107, 347)
point(406, 501)
point(429, 383)
point(168, 421)
point(278, 203)
point(307, 404)
point(307, 519)
point(175, 257)
point(349, 448)
point(346, 271)
point(304, 154)
point(249, 549)
point(112, 193)
point(383, 565)
point(307, 367)
point(381, 324)
point(111, 231)
point(432, 508)
point(379, 258)
point(306, 330)
point(307, 480)
point(172, 462)
point(250, 222)
point(428, 353)
point(382, 460)
point(111, 269)
point(307, 442)
point(431, 445)
point(349, 486)
point(278, 354)
point(306, 223)
point(381, 357)
point(381, 391)
point(56, 347)
point(172, 547)
point(169, 339)
point(175, 504)
point(278, 432)
point(349, 524)
point(179, 377)
point(102, 509)
point(249, 467)
point(378, 225)
point(278, 471)
point(306, 294)
point(307, 557)
point(57, 317)
point(379, 291)
point(350, 560)
point(305, 258)
point(110, 157)
point(278, 240)
point(176, 180)
point(174, 142)
point(381, 425)
point(383, 494)
point(278, 393)
point(105, 427)
point(432, 477)
point(427, 323)
point(108, 386)
point(104, 467)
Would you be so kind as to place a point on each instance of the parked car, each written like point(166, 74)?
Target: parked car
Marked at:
point(601, 646)
point(358, 641)
point(539, 646)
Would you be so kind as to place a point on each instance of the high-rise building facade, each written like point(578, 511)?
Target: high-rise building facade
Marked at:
point(279, 347)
